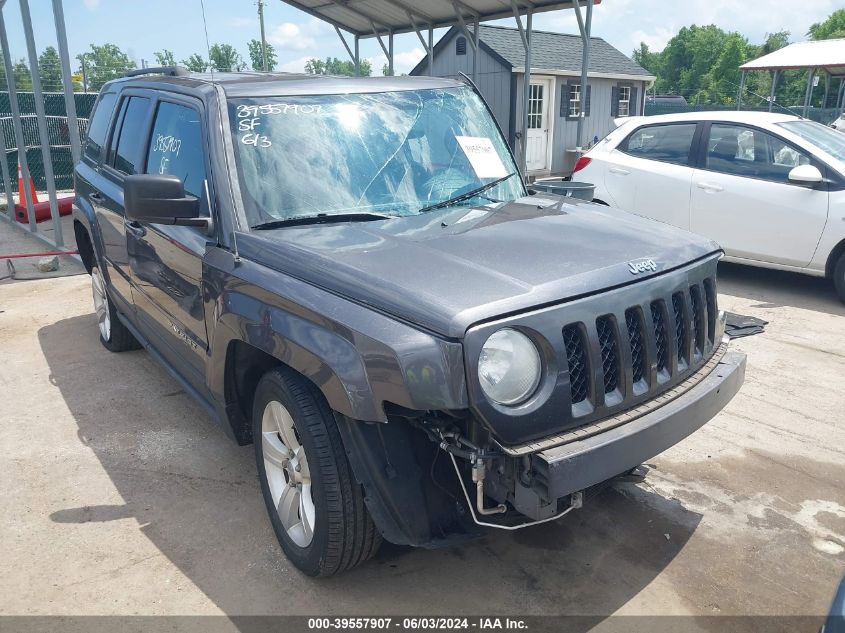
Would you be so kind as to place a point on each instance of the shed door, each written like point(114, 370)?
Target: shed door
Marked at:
point(539, 126)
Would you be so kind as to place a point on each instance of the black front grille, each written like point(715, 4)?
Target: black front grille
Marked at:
point(609, 352)
point(658, 319)
point(576, 357)
point(710, 301)
point(598, 361)
point(680, 326)
point(634, 321)
point(697, 318)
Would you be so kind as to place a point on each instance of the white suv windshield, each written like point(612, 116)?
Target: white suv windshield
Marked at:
point(391, 153)
point(824, 138)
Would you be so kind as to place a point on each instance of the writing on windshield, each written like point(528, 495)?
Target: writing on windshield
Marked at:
point(393, 153)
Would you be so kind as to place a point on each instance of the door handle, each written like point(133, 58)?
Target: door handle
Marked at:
point(136, 229)
point(710, 187)
point(619, 171)
point(95, 197)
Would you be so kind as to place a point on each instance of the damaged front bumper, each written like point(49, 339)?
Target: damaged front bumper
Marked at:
point(567, 464)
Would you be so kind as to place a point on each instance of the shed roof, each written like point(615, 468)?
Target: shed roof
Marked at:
point(559, 51)
point(828, 55)
point(549, 51)
point(365, 17)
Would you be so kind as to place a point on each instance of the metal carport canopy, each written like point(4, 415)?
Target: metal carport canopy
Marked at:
point(827, 55)
point(386, 18)
point(822, 55)
point(366, 17)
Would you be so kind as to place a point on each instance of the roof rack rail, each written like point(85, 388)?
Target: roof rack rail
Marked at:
point(171, 71)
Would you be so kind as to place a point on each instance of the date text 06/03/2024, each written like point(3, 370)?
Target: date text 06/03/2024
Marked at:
point(417, 623)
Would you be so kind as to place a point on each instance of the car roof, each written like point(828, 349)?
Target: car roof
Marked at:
point(256, 84)
point(733, 116)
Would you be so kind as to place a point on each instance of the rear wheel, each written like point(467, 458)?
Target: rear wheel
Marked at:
point(315, 505)
point(114, 336)
point(839, 277)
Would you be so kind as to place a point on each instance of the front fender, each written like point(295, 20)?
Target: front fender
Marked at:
point(358, 357)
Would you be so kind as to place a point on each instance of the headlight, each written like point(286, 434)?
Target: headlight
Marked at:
point(509, 367)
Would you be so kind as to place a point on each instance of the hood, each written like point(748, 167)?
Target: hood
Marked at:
point(446, 271)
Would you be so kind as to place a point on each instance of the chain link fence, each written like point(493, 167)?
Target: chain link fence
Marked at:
point(825, 116)
point(57, 131)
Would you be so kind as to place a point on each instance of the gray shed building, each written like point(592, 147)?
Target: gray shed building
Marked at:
point(616, 87)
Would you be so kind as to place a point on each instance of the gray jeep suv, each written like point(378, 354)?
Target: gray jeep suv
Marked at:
point(351, 274)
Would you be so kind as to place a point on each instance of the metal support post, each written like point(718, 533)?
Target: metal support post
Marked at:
point(809, 92)
point(585, 26)
point(430, 51)
point(826, 88)
point(390, 69)
point(263, 39)
point(67, 81)
point(775, 74)
point(475, 51)
point(740, 91)
point(41, 118)
point(526, 92)
point(357, 57)
point(841, 104)
point(24, 195)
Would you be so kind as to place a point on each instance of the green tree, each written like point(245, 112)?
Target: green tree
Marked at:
point(646, 58)
point(104, 63)
point(721, 82)
point(50, 70)
point(257, 58)
point(195, 63)
point(165, 57)
point(225, 58)
point(22, 76)
point(833, 27)
point(335, 66)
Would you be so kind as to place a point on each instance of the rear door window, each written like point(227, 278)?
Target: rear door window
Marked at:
point(665, 143)
point(98, 126)
point(741, 151)
point(131, 135)
point(176, 146)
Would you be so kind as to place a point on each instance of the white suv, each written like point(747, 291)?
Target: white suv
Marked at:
point(770, 188)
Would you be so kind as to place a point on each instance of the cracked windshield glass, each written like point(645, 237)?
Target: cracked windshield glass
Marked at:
point(392, 153)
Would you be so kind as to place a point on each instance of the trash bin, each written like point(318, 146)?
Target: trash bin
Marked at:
point(566, 188)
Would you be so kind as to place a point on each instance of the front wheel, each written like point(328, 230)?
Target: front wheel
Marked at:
point(114, 336)
point(315, 505)
point(839, 277)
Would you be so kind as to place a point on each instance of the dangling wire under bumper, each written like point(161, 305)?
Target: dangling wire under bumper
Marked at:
point(575, 503)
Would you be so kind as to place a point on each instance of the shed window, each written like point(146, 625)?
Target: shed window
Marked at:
point(574, 99)
point(624, 100)
point(461, 46)
point(570, 100)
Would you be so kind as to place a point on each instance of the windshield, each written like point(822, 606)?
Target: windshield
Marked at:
point(825, 138)
point(392, 153)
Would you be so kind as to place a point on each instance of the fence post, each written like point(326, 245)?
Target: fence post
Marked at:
point(41, 120)
point(70, 99)
point(16, 121)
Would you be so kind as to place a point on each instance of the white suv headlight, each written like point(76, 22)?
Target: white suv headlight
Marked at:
point(509, 367)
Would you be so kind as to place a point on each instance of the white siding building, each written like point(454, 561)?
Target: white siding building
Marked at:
point(616, 87)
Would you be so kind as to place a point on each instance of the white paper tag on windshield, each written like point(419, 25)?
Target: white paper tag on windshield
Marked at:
point(482, 156)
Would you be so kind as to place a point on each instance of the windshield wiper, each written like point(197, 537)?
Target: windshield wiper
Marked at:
point(322, 218)
point(466, 196)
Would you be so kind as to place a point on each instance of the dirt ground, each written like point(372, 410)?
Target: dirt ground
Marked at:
point(120, 497)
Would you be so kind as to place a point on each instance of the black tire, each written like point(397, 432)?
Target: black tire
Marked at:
point(116, 337)
point(839, 277)
point(343, 533)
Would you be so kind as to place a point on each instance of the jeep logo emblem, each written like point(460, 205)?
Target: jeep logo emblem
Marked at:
point(641, 266)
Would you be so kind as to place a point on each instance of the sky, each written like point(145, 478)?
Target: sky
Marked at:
point(142, 27)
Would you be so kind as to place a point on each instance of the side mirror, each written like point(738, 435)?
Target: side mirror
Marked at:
point(160, 199)
point(805, 175)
